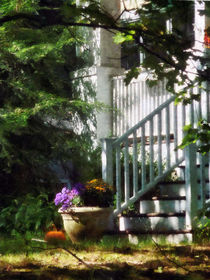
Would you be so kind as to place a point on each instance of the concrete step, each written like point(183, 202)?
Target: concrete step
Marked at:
point(168, 205)
point(175, 189)
point(153, 223)
point(177, 205)
point(171, 189)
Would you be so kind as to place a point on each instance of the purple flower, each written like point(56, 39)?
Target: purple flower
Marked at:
point(79, 187)
point(66, 196)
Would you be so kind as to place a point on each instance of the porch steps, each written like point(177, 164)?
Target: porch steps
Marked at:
point(159, 212)
point(161, 215)
point(147, 153)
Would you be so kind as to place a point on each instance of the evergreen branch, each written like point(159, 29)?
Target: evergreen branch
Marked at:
point(40, 22)
point(59, 21)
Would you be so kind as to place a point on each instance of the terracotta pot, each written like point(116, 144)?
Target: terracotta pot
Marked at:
point(86, 222)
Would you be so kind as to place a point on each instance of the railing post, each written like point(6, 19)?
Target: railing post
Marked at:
point(191, 186)
point(107, 160)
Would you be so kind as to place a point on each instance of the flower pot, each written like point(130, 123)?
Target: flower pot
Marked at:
point(86, 222)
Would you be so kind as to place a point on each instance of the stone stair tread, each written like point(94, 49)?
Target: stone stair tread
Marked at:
point(171, 182)
point(118, 232)
point(156, 232)
point(164, 197)
point(197, 164)
point(167, 197)
point(164, 215)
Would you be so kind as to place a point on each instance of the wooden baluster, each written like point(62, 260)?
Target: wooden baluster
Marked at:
point(160, 171)
point(143, 158)
point(168, 156)
point(126, 172)
point(151, 151)
point(118, 179)
point(176, 131)
point(135, 165)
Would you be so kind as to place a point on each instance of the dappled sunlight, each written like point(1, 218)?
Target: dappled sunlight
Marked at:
point(111, 258)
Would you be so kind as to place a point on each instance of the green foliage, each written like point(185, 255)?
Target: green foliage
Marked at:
point(120, 38)
point(202, 221)
point(201, 134)
point(133, 73)
point(40, 107)
point(27, 214)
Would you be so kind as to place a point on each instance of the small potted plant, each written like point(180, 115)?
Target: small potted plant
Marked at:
point(86, 209)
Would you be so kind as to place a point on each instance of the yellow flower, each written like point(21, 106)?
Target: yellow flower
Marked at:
point(98, 185)
point(93, 181)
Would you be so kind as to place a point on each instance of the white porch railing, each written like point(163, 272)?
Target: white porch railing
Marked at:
point(142, 160)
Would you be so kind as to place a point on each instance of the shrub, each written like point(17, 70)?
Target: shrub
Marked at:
point(28, 214)
point(202, 232)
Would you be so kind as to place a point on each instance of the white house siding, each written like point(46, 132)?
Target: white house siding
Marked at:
point(135, 101)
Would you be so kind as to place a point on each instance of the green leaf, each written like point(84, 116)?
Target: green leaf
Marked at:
point(119, 38)
point(133, 73)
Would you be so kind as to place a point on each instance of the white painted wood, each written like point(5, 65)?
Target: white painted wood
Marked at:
point(136, 101)
point(107, 160)
point(118, 180)
point(198, 169)
point(168, 156)
point(139, 129)
point(172, 190)
point(126, 172)
point(175, 131)
point(162, 206)
point(143, 165)
point(161, 238)
point(150, 186)
point(151, 150)
point(147, 224)
point(191, 186)
point(135, 168)
point(143, 121)
point(166, 125)
point(159, 125)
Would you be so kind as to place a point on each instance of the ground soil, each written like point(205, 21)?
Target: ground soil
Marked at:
point(154, 263)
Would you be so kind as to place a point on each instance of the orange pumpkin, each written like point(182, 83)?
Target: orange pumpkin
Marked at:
point(54, 235)
point(50, 235)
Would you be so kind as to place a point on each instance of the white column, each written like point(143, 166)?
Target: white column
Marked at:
point(108, 64)
point(199, 27)
point(107, 160)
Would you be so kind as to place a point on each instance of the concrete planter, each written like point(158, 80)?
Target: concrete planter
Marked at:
point(86, 222)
